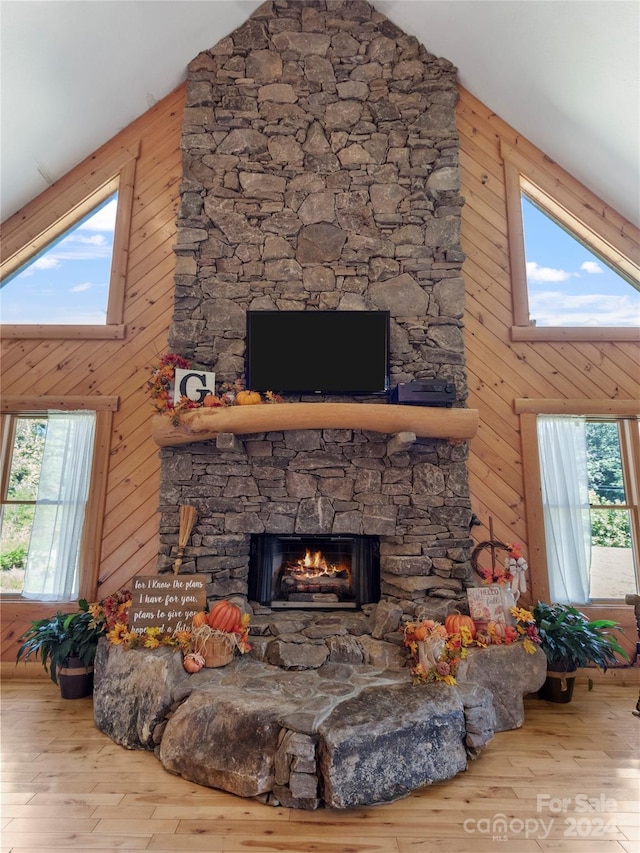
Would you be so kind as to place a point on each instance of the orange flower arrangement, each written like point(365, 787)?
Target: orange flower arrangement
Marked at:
point(112, 614)
point(435, 652)
point(160, 386)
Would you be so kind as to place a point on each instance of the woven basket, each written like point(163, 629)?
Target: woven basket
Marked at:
point(217, 651)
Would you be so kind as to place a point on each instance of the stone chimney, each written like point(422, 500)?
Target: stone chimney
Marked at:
point(321, 172)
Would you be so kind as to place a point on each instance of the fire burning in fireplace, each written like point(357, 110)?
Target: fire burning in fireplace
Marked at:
point(313, 574)
point(314, 564)
point(307, 571)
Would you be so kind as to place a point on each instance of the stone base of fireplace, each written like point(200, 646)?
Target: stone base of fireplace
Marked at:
point(338, 735)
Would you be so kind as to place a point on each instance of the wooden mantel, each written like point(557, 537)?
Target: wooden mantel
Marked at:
point(424, 421)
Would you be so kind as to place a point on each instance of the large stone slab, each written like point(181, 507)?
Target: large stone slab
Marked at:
point(133, 690)
point(225, 739)
point(388, 741)
point(509, 672)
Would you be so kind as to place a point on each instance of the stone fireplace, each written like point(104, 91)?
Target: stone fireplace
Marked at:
point(320, 162)
point(320, 172)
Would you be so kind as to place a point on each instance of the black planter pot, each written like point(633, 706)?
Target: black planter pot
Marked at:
point(558, 686)
point(75, 680)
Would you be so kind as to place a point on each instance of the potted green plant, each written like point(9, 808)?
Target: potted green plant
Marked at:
point(570, 640)
point(66, 645)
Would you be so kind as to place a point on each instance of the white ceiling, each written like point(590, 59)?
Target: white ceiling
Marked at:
point(564, 73)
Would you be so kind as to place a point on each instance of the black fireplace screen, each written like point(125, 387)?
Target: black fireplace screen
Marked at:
point(314, 571)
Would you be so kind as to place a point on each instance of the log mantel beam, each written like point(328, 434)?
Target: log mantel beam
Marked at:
point(424, 421)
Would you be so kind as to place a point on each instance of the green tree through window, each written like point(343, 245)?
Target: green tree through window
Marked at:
point(18, 504)
point(612, 564)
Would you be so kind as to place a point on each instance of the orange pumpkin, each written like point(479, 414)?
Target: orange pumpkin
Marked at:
point(497, 631)
point(455, 621)
point(420, 633)
point(212, 402)
point(193, 662)
point(248, 398)
point(224, 616)
point(199, 619)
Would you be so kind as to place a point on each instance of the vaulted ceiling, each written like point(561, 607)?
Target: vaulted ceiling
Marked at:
point(564, 73)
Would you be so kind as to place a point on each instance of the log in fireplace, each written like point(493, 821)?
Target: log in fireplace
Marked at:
point(310, 571)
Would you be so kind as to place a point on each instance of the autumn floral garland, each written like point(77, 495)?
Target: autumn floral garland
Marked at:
point(161, 383)
point(437, 653)
point(112, 614)
point(447, 651)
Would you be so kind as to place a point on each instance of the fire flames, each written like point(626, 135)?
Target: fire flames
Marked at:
point(314, 565)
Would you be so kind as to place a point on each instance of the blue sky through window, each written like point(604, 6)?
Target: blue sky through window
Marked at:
point(68, 282)
point(568, 285)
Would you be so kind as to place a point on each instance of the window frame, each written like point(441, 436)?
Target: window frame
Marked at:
point(627, 414)
point(58, 209)
point(583, 214)
point(91, 540)
point(8, 423)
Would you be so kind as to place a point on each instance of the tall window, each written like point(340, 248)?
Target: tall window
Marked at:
point(589, 471)
point(613, 571)
point(46, 473)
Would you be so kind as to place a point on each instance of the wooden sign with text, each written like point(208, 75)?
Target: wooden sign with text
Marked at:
point(165, 601)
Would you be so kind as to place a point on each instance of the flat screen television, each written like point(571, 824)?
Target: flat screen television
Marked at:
point(318, 352)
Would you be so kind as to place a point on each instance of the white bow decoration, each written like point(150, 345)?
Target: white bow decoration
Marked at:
point(517, 569)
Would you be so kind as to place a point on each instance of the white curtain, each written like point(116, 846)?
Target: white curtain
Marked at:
point(565, 498)
point(51, 573)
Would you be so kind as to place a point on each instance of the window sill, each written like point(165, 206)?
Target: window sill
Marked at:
point(76, 333)
point(575, 333)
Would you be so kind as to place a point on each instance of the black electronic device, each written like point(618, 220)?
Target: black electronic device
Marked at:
point(318, 352)
point(428, 392)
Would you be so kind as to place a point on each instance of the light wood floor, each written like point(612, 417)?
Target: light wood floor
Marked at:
point(67, 787)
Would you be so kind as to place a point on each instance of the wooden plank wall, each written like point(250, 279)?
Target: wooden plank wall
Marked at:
point(61, 367)
point(499, 370)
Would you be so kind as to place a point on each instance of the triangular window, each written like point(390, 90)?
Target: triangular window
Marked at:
point(574, 261)
point(66, 282)
point(65, 255)
point(568, 283)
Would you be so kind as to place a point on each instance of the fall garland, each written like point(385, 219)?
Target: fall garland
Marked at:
point(160, 387)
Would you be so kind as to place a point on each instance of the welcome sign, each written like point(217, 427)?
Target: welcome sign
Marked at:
point(166, 602)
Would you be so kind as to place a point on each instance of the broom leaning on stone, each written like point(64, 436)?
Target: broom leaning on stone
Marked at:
point(188, 515)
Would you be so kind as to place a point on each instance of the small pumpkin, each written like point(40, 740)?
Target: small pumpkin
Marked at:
point(511, 635)
point(420, 633)
point(497, 631)
point(455, 621)
point(199, 619)
point(248, 398)
point(483, 639)
point(193, 662)
point(212, 402)
point(224, 616)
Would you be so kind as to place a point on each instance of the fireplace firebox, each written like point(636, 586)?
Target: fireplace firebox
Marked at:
point(314, 572)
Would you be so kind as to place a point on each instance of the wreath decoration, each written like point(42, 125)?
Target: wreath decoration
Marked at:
point(496, 574)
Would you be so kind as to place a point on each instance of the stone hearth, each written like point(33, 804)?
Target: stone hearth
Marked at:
point(338, 735)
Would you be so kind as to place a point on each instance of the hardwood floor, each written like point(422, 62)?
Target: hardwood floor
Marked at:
point(67, 787)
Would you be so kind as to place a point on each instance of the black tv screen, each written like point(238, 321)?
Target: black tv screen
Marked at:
point(318, 352)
